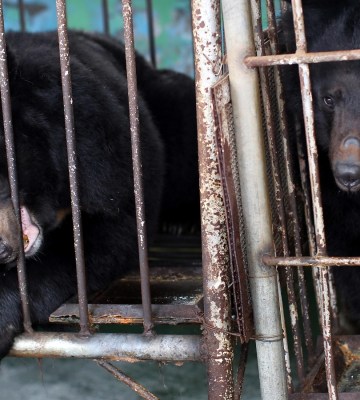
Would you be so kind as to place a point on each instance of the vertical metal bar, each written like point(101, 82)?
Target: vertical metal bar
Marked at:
point(249, 136)
point(150, 20)
point(293, 212)
point(304, 72)
point(71, 150)
point(215, 254)
point(11, 161)
point(105, 12)
point(21, 6)
point(137, 166)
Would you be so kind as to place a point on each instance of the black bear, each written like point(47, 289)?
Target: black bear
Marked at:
point(169, 157)
point(333, 25)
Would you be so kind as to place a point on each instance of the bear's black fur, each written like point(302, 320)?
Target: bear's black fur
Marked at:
point(332, 26)
point(168, 144)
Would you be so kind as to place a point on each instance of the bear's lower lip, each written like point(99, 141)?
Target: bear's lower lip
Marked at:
point(32, 237)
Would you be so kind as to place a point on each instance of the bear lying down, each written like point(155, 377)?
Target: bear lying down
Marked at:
point(168, 144)
point(336, 97)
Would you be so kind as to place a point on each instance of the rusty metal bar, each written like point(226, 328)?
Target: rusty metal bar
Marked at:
point(136, 387)
point(254, 192)
point(302, 58)
point(217, 308)
point(316, 261)
point(137, 166)
point(71, 150)
point(150, 20)
point(105, 12)
point(21, 6)
point(308, 111)
point(11, 162)
point(292, 212)
point(109, 346)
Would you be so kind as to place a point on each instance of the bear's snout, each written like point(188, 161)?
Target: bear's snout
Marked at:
point(346, 164)
point(347, 176)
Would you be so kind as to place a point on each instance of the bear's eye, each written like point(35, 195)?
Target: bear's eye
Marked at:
point(329, 101)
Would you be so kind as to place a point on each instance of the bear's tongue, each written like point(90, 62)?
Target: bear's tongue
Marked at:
point(30, 230)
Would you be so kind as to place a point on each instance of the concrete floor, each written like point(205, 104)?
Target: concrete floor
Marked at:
point(55, 379)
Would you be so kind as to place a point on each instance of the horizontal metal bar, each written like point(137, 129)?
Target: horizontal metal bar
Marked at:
point(317, 261)
point(302, 58)
point(109, 346)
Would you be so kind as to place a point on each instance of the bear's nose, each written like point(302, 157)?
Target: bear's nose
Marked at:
point(5, 251)
point(351, 141)
point(347, 175)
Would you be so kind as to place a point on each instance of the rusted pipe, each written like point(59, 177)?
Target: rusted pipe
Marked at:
point(215, 253)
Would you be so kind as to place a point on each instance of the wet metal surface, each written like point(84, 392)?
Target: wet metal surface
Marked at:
point(72, 162)
point(11, 162)
point(219, 346)
point(137, 165)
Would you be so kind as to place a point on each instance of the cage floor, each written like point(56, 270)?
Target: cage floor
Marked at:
point(176, 289)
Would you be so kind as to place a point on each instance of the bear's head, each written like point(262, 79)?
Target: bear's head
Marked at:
point(37, 119)
point(336, 94)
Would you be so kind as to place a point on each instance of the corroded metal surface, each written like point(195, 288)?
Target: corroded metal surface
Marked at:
point(109, 346)
point(137, 164)
point(234, 221)
point(254, 193)
point(219, 347)
point(11, 162)
point(136, 387)
point(72, 162)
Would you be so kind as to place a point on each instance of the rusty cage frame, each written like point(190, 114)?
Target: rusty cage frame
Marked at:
point(225, 259)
